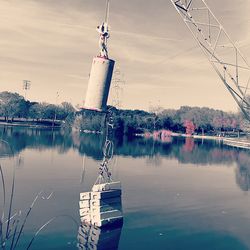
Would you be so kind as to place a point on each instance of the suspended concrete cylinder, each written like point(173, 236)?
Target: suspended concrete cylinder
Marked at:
point(99, 84)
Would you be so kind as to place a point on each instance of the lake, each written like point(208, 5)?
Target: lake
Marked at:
point(180, 194)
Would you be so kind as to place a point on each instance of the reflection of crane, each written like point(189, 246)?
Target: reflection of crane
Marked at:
point(225, 57)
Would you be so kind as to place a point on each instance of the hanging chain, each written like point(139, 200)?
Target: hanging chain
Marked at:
point(108, 148)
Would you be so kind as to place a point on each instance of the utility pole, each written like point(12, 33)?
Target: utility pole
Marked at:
point(26, 86)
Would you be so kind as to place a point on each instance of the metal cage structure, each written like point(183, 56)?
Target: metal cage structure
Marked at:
point(224, 56)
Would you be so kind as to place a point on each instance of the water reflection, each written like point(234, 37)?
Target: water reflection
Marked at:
point(91, 237)
point(169, 207)
point(185, 150)
point(243, 171)
point(21, 138)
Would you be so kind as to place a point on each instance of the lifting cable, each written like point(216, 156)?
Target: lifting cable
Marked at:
point(108, 149)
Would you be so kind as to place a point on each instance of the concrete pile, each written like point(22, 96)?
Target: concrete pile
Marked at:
point(102, 206)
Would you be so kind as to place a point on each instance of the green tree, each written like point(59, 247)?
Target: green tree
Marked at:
point(13, 105)
point(36, 111)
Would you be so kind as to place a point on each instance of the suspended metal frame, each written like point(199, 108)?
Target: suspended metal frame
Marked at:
point(117, 84)
point(224, 56)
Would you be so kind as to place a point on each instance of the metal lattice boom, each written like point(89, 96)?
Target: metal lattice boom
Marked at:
point(224, 56)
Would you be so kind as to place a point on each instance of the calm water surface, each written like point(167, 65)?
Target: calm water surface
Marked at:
point(181, 194)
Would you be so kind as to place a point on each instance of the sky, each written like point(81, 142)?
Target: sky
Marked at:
point(52, 44)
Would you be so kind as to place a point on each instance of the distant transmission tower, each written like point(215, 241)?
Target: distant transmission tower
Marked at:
point(117, 86)
point(26, 86)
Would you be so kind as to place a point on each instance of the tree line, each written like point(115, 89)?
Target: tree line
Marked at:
point(13, 105)
point(189, 120)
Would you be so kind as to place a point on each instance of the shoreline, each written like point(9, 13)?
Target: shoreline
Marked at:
point(229, 141)
point(28, 125)
point(239, 143)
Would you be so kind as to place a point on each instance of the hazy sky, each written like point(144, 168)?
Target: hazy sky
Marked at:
point(52, 42)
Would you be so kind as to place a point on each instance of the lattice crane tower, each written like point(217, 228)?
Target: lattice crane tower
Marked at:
point(224, 56)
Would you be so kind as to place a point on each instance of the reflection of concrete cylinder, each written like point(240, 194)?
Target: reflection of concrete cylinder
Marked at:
point(99, 84)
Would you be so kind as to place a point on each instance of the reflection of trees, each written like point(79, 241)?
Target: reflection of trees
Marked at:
point(4, 149)
point(154, 160)
point(21, 138)
point(243, 171)
point(189, 144)
point(89, 144)
point(185, 150)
